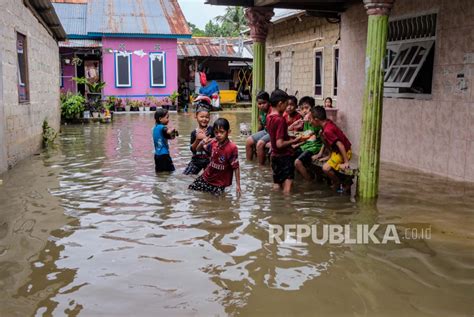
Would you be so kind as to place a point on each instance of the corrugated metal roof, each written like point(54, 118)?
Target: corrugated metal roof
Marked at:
point(136, 17)
point(80, 43)
point(284, 14)
point(73, 17)
point(210, 47)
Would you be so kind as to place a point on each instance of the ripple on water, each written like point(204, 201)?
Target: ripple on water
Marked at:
point(112, 236)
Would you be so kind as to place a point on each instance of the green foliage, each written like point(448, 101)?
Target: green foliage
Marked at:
point(110, 102)
point(49, 134)
point(233, 22)
point(94, 88)
point(174, 96)
point(195, 30)
point(72, 106)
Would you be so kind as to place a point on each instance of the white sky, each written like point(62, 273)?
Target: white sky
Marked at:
point(199, 13)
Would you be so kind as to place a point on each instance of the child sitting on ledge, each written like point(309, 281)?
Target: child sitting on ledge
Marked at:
point(336, 141)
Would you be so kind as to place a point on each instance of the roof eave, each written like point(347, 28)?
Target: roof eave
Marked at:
point(45, 13)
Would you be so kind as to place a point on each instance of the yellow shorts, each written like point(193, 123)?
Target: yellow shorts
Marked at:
point(336, 159)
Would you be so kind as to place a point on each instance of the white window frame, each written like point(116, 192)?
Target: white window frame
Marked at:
point(396, 68)
point(334, 71)
point(318, 49)
point(153, 56)
point(129, 85)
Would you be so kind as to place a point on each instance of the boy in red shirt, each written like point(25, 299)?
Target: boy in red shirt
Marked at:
point(282, 152)
point(336, 141)
point(224, 161)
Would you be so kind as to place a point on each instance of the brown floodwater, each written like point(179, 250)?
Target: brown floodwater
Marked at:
point(88, 229)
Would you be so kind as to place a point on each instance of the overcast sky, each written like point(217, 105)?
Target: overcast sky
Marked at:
point(199, 13)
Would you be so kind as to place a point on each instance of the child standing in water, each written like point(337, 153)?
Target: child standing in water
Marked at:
point(200, 159)
point(161, 135)
point(282, 153)
point(223, 163)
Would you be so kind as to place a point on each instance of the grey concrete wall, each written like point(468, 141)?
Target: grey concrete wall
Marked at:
point(297, 40)
point(22, 123)
point(434, 135)
point(3, 154)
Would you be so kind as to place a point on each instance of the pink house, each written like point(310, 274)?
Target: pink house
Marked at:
point(132, 48)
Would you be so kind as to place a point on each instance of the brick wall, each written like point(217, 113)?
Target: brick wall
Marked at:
point(296, 40)
point(434, 135)
point(22, 123)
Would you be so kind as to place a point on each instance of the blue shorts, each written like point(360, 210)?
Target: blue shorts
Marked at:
point(261, 135)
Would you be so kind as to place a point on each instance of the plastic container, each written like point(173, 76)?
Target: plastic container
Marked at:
point(228, 96)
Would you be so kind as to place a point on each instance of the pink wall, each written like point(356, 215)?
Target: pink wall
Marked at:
point(140, 67)
point(69, 71)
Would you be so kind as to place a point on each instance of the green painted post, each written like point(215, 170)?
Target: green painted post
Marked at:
point(371, 134)
point(258, 79)
point(258, 19)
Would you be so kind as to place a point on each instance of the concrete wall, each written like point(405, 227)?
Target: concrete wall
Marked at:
point(296, 41)
point(140, 67)
point(434, 135)
point(22, 123)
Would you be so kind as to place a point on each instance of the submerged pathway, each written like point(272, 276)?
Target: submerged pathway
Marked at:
point(88, 228)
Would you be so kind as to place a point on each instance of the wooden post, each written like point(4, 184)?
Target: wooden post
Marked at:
point(371, 134)
point(258, 19)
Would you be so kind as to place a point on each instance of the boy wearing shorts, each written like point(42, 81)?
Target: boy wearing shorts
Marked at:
point(282, 152)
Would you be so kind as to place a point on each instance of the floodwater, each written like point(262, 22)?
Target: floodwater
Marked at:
point(88, 229)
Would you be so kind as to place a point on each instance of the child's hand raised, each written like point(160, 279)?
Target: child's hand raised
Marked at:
point(201, 135)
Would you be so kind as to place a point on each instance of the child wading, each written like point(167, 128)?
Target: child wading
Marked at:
point(282, 153)
point(200, 159)
point(223, 163)
point(163, 162)
point(336, 141)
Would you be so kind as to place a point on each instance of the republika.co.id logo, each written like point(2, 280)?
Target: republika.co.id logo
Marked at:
point(344, 234)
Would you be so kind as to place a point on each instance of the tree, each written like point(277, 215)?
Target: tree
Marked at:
point(195, 30)
point(212, 29)
point(233, 21)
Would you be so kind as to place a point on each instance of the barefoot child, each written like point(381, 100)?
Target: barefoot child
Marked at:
point(161, 135)
point(261, 138)
point(224, 161)
point(200, 160)
point(282, 153)
point(336, 141)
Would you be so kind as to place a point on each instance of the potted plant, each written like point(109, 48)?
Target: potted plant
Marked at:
point(110, 102)
point(174, 100)
point(95, 89)
point(72, 107)
point(127, 104)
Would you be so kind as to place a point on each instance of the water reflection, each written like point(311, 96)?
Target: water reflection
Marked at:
point(89, 229)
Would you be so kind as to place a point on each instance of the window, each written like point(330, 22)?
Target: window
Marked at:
point(123, 69)
point(23, 84)
point(157, 69)
point(408, 64)
point(318, 73)
point(277, 75)
point(336, 68)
